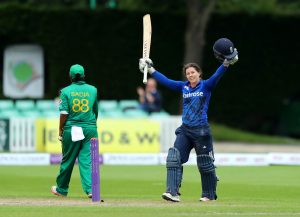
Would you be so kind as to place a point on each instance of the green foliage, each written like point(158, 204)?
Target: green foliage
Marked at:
point(222, 6)
point(249, 6)
point(58, 4)
point(104, 42)
point(109, 43)
point(167, 6)
point(251, 94)
point(258, 6)
point(149, 5)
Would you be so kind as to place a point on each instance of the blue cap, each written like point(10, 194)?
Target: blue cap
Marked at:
point(225, 47)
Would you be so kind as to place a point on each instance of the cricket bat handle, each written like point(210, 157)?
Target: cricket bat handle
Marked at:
point(145, 75)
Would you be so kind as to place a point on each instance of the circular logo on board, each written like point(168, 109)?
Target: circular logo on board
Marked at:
point(22, 74)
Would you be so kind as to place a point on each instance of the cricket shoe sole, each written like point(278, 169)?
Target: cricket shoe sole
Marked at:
point(205, 199)
point(170, 197)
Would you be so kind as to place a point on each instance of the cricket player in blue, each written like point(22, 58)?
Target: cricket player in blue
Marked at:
point(194, 131)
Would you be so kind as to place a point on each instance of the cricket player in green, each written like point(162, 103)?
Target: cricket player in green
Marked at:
point(78, 116)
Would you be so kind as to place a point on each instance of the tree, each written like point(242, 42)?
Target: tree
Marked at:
point(198, 14)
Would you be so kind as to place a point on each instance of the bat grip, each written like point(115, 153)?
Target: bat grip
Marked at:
point(145, 75)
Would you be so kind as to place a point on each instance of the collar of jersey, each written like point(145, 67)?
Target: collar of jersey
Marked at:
point(196, 85)
point(79, 82)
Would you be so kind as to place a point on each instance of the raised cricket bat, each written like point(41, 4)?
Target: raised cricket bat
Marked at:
point(147, 31)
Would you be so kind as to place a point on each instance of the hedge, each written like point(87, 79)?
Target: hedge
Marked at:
point(108, 43)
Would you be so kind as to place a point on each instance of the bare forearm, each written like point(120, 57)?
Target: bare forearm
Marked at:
point(141, 98)
point(62, 121)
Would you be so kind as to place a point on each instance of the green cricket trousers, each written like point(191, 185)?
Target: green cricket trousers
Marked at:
point(71, 151)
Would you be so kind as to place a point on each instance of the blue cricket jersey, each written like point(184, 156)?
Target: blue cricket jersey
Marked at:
point(195, 100)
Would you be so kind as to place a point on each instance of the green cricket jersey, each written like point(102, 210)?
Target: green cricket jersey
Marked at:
point(79, 101)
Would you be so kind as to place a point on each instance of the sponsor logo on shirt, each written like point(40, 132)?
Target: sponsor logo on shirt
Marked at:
point(188, 95)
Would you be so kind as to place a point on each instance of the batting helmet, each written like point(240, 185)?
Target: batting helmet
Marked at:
point(224, 49)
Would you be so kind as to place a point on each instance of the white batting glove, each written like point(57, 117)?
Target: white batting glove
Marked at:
point(59, 138)
point(142, 65)
point(146, 62)
point(232, 61)
point(149, 63)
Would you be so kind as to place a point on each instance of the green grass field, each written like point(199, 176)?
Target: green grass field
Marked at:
point(136, 191)
point(225, 133)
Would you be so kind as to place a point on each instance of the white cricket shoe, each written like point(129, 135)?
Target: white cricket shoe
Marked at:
point(204, 199)
point(170, 197)
point(89, 195)
point(53, 191)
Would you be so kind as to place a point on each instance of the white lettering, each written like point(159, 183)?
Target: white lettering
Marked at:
point(188, 95)
point(80, 94)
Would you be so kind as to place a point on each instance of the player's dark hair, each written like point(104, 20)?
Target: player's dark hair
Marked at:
point(194, 65)
point(77, 78)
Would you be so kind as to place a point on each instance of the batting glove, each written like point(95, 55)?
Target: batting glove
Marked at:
point(146, 62)
point(59, 138)
point(142, 65)
point(231, 61)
